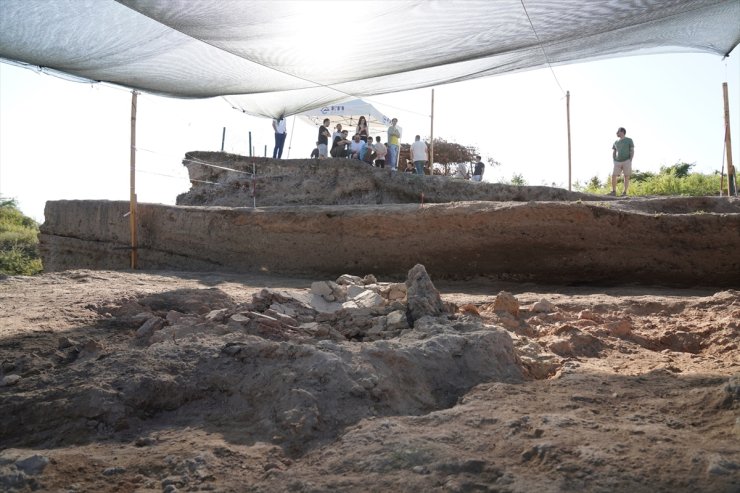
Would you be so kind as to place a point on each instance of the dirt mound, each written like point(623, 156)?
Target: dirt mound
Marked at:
point(121, 381)
point(231, 180)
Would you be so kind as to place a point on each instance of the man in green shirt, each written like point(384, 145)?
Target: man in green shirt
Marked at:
point(623, 151)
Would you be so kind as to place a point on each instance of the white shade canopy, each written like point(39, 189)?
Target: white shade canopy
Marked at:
point(284, 57)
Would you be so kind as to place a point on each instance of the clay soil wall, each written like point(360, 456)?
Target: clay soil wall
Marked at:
point(551, 242)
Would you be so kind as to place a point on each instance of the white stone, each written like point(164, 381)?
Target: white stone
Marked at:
point(396, 320)
point(321, 288)
point(319, 304)
point(354, 290)
point(368, 299)
point(543, 306)
point(216, 315)
point(284, 309)
point(239, 318)
point(349, 279)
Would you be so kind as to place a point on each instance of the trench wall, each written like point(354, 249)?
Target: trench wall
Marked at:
point(549, 242)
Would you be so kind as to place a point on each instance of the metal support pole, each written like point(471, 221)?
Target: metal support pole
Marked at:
point(223, 139)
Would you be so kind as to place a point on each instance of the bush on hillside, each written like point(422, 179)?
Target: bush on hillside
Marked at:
point(19, 253)
point(670, 180)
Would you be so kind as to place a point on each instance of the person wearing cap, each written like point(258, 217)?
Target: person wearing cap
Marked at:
point(394, 140)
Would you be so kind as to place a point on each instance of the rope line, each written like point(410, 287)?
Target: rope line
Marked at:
point(178, 177)
point(539, 43)
point(202, 163)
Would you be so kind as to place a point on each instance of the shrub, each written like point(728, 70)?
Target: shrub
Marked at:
point(19, 253)
point(670, 180)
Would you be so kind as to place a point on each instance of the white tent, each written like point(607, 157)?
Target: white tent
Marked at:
point(348, 113)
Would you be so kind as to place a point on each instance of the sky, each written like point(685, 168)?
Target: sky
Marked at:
point(69, 140)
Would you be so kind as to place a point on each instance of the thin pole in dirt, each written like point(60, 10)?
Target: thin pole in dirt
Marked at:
point(567, 111)
point(431, 136)
point(132, 197)
point(731, 179)
point(254, 185)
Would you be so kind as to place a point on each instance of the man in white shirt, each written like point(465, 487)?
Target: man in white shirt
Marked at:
point(280, 132)
point(337, 132)
point(380, 152)
point(419, 155)
point(357, 147)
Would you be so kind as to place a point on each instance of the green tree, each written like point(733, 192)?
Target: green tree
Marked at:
point(518, 180)
point(679, 170)
point(19, 253)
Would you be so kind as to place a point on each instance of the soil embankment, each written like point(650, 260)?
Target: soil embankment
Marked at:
point(355, 219)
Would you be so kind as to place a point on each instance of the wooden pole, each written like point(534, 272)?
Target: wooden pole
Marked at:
point(132, 198)
point(731, 178)
point(431, 137)
point(567, 111)
point(223, 139)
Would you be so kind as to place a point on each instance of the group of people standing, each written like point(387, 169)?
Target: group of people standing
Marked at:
point(361, 146)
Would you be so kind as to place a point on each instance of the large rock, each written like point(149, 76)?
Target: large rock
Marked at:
point(422, 297)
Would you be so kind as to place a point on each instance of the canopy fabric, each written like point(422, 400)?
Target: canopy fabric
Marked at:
point(348, 113)
point(284, 57)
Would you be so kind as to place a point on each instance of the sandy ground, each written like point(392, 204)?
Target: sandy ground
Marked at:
point(627, 389)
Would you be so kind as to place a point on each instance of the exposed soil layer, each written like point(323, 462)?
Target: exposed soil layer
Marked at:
point(347, 217)
point(543, 389)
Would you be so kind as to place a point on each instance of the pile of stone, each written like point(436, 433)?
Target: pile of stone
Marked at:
point(350, 308)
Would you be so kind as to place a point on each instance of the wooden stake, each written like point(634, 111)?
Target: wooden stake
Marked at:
point(132, 197)
point(731, 178)
point(567, 111)
point(431, 145)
